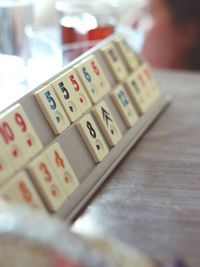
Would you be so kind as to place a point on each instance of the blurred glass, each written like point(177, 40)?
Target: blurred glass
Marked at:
point(15, 16)
point(45, 55)
point(83, 24)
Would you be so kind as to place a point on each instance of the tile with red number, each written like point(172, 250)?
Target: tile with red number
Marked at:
point(137, 94)
point(153, 85)
point(46, 181)
point(52, 109)
point(76, 85)
point(27, 134)
point(93, 138)
point(20, 189)
point(67, 98)
point(144, 85)
point(124, 106)
point(99, 75)
point(127, 53)
point(107, 123)
point(18, 136)
point(63, 168)
point(6, 168)
point(87, 77)
point(115, 62)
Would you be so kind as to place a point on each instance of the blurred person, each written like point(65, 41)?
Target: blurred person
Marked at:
point(173, 37)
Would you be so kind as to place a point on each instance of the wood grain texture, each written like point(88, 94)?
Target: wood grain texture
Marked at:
point(152, 200)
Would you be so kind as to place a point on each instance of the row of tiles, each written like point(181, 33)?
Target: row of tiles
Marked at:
point(73, 93)
point(52, 178)
point(63, 102)
point(20, 142)
point(51, 171)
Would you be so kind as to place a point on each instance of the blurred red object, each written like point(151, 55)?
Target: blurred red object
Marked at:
point(100, 33)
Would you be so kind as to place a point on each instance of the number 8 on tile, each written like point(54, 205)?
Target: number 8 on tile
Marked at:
point(93, 138)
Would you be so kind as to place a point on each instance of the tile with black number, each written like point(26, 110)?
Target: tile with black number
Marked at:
point(67, 98)
point(128, 53)
point(137, 93)
point(107, 123)
point(93, 138)
point(115, 62)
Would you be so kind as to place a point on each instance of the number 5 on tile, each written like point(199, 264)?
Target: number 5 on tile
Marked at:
point(52, 109)
point(92, 137)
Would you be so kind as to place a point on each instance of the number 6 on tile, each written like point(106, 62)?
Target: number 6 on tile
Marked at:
point(92, 137)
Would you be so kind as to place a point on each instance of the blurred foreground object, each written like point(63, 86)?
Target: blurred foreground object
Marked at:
point(29, 238)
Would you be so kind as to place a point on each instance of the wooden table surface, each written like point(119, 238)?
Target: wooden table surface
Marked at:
point(152, 200)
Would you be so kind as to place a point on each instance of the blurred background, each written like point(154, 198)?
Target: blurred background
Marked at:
point(39, 37)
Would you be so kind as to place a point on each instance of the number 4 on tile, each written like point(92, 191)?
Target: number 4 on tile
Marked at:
point(62, 167)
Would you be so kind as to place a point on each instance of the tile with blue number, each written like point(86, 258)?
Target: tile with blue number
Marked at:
point(52, 109)
point(124, 106)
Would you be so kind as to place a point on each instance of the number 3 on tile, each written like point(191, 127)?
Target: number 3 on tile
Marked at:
point(92, 137)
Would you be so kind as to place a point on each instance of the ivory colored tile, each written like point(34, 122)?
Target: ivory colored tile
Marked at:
point(61, 165)
point(137, 95)
point(6, 168)
point(107, 123)
point(67, 98)
point(124, 106)
point(127, 53)
point(99, 75)
point(52, 109)
point(144, 86)
point(154, 87)
point(88, 79)
point(20, 189)
point(115, 62)
point(25, 133)
point(12, 139)
point(76, 85)
point(46, 181)
point(93, 138)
